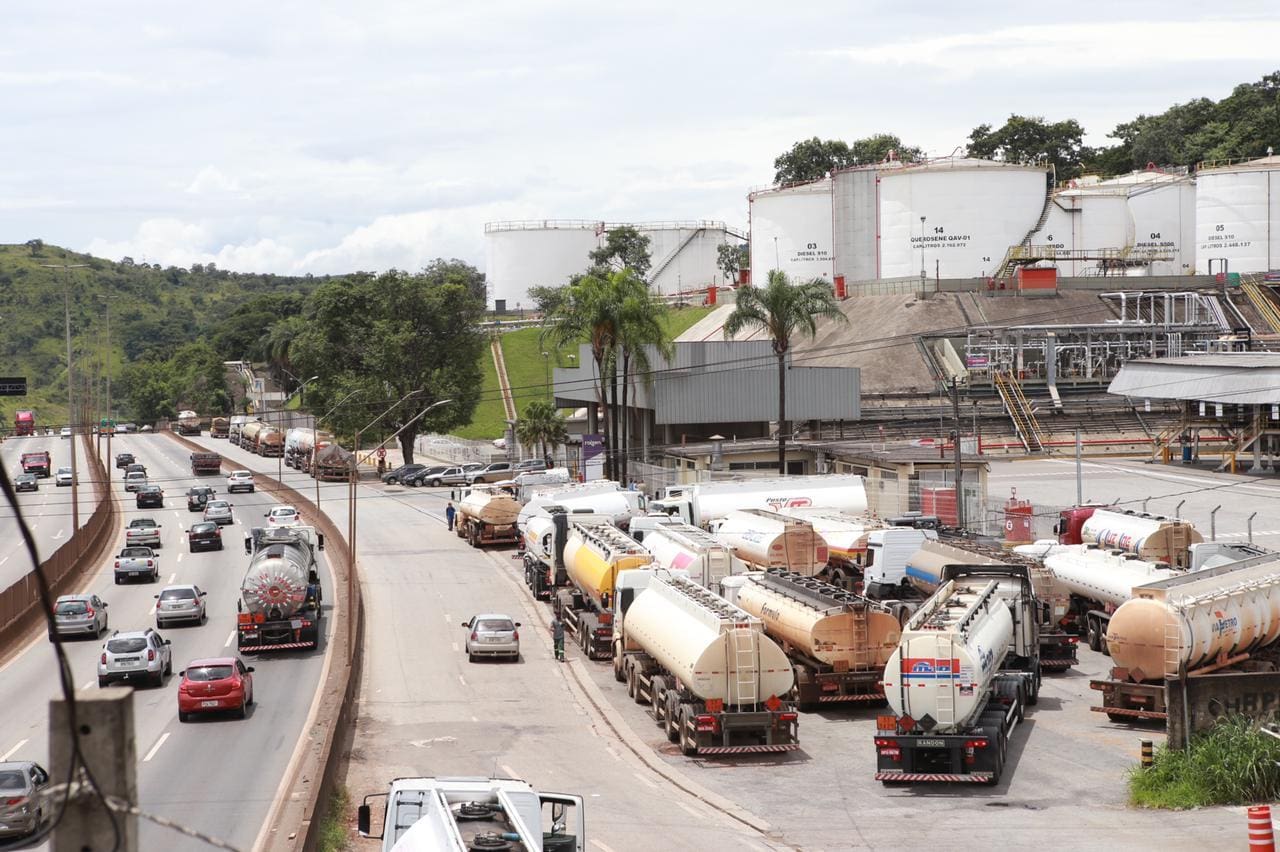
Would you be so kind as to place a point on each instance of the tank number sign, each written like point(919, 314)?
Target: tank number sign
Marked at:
point(940, 238)
point(1221, 238)
point(810, 253)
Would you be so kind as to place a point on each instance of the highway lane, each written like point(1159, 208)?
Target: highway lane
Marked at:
point(48, 511)
point(426, 710)
point(219, 775)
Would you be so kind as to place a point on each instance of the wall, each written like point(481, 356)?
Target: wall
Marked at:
point(1209, 697)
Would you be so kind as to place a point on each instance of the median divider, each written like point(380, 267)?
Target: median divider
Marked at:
point(315, 769)
point(21, 610)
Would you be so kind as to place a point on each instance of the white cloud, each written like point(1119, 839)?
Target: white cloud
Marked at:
point(211, 181)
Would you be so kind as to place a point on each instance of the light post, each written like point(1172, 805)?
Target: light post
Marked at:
point(923, 273)
point(546, 362)
point(280, 412)
point(316, 430)
point(66, 310)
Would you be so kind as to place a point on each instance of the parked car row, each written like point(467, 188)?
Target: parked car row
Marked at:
point(435, 476)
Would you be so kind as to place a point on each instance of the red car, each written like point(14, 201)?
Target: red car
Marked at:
point(215, 685)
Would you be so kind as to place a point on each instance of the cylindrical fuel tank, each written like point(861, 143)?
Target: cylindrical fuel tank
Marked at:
point(490, 506)
point(249, 433)
point(270, 436)
point(943, 669)
point(712, 647)
point(595, 553)
point(771, 540)
point(845, 535)
point(1203, 620)
point(275, 583)
point(829, 635)
point(1148, 537)
point(538, 533)
point(1103, 576)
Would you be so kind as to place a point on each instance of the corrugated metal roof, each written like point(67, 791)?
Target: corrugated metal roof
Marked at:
point(1248, 378)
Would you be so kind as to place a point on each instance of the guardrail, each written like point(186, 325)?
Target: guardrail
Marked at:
point(20, 605)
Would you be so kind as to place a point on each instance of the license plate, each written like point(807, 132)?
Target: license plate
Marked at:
point(209, 703)
point(129, 664)
point(494, 639)
point(296, 624)
point(933, 743)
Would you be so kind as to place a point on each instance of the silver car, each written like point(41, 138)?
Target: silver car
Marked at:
point(180, 603)
point(63, 476)
point(492, 635)
point(79, 614)
point(134, 479)
point(451, 476)
point(22, 798)
point(218, 511)
point(143, 532)
point(136, 655)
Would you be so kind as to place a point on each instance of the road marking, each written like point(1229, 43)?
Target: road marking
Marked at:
point(690, 811)
point(174, 575)
point(2, 561)
point(462, 680)
point(87, 684)
point(511, 773)
point(59, 535)
point(646, 782)
point(474, 719)
point(179, 557)
point(601, 846)
point(155, 748)
point(455, 647)
point(448, 617)
point(11, 752)
point(231, 637)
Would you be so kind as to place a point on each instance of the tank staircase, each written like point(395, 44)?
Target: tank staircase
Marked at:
point(1020, 412)
point(504, 384)
point(1007, 264)
point(666, 261)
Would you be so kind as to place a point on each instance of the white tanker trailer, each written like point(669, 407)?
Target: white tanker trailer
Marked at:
point(708, 672)
point(845, 534)
point(487, 515)
point(767, 539)
point(685, 549)
point(701, 503)
point(280, 594)
point(1152, 538)
point(1191, 623)
point(839, 642)
point(542, 539)
point(959, 682)
point(603, 498)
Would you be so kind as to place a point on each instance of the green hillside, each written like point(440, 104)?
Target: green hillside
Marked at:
point(527, 372)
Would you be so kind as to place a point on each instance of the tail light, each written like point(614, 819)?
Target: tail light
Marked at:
point(1072, 640)
point(103, 660)
point(244, 618)
point(474, 637)
point(151, 655)
point(149, 563)
point(19, 800)
point(884, 741)
point(515, 634)
point(89, 612)
point(790, 716)
point(117, 563)
point(982, 743)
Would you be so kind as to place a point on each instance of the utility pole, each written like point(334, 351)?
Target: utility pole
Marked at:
point(1080, 472)
point(71, 408)
point(955, 408)
point(104, 722)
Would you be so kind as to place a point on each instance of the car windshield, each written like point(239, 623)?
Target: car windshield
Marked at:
point(136, 552)
point(178, 595)
point(493, 624)
point(72, 607)
point(284, 513)
point(12, 779)
point(131, 645)
point(242, 474)
point(203, 527)
point(217, 504)
point(209, 673)
point(26, 477)
point(139, 523)
point(150, 489)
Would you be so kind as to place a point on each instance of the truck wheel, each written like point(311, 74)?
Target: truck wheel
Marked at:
point(618, 674)
point(1117, 717)
point(1102, 640)
point(671, 718)
point(658, 697)
point(688, 745)
point(1092, 634)
point(631, 682)
point(1033, 694)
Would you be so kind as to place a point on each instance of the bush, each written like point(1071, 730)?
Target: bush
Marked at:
point(1233, 764)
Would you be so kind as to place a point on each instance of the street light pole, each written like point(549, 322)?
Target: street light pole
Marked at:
point(316, 429)
point(66, 310)
point(280, 413)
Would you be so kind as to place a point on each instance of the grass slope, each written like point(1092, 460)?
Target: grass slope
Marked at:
point(527, 372)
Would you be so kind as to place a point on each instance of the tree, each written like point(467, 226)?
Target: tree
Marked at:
point(35, 247)
point(782, 311)
point(546, 299)
point(730, 258)
point(881, 147)
point(624, 248)
point(542, 426)
point(640, 325)
point(1027, 139)
point(276, 344)
point(814, 159)
point(391, 336)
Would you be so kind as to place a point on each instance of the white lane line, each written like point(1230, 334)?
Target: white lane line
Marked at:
point(155, 748)
point(448, 617)
point(601, 846)
point(179, 557)
point(690, 811)
point(646, 782)
point(462, 680)
point(59, 535)
point(511, 773)
point(474, 719)
point(173, 576)
point(11, 752)
point(455, 647)
point(87, 684)
point(231, 637)
point(2, 561)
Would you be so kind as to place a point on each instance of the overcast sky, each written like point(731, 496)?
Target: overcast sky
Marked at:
point(318, 137)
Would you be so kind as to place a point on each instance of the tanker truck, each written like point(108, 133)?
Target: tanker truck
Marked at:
point(768, 539)
point(960, 680)
point(604, 498)
point(280, 595)
point(709, 674)
point(1152, 538)
point(703, 502)
point(188, 423)
point(487, 515)
point(292, 438)
point(1186, 625)
point(839, 642)
point(270, 442)
point(234, 426)
point(594, 556)
point(846, 536)
point(249, 432)
point(219, 427)
point(683, 548)
point(474, 814)
point(542, 539)
point(308, 445)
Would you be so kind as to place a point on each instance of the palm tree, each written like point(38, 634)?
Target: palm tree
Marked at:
point(640, 324)
point(542, 426)
point(782, 310)
point(278, 340)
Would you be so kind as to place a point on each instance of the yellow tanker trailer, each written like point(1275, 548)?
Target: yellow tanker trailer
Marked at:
point(594, 555)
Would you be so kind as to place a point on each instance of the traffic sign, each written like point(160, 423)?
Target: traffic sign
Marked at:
point(382, 452)
point(13, 385)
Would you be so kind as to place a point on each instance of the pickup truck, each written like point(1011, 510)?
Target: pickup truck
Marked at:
point(137, 562)
point(142, 531)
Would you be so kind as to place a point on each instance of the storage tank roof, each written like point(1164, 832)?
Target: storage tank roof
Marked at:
point(818, 186)
point(599, 225)
point(1262, 164)
point(946, 164)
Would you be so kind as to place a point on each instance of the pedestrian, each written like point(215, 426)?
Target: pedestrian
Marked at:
point(449, 514)
point(557, 636)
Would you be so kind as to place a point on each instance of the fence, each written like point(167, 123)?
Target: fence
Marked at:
point(20, 602)
point(458, 450)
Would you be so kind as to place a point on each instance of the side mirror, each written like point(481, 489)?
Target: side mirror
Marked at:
point(105, 604)
point(168, 641)
point(182, 673)
point(248, 668)
point(362, 820)
point(157, 597)
point(203, 594)
point(464, 624)
point(320, 536)
point(517, 624)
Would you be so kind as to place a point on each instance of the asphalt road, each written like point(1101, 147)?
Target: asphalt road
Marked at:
point(424, 710)
point(219, 775)
point(47, 511)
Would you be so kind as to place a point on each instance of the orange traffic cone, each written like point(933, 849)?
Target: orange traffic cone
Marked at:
point(1261, 836)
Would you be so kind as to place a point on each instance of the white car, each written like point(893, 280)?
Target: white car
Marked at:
point(134, 480)
point(240, 480)
point(63, 476)
point(179, 603)
point(218, 511)
point(283, 516)
point(66, 431)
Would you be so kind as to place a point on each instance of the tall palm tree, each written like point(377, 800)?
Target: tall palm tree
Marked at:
point(542, 426)
point(641, 324)
point(783, 311)
point(276, 343)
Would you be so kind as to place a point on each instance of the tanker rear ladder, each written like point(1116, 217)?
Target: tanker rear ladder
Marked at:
point(818, 594)
point(745, 655)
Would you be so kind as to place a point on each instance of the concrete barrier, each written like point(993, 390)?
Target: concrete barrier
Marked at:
point(1196, 704)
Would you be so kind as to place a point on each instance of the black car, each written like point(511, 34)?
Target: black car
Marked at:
point(198, 496)
point(204, 535)
point(402, 473)
point(418, 477)
point(26, 482)
point(150, 497)
point(123, 460)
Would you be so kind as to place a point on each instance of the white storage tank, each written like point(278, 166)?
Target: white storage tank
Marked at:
point(540, 253)
point(684, 255)
point(1090, 219)
point(1163, 207)
point(791, 232)
point(973, 210)
point(1238, 216)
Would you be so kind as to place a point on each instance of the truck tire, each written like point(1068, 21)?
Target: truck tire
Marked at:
point(658, 698)
point(671, 719)
point(1093, 633)
point(688, 745)
point(618, 674)
point(632, 691)
point(1033, 693)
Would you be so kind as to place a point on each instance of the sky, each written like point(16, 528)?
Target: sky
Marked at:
point(296, 137)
